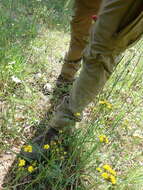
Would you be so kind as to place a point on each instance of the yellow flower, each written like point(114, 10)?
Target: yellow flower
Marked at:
point(109, 106)
point(46, 146)
point(106, 140)
point(109, 169)
point(21, 163)
point(104, 102)
point(65, 153)
point(77, 114)
point(99, 169)
point(30, 169)
point(27, 148)
point(103, 139)
point(105, 175)
point(112, 172)
point(112, 179)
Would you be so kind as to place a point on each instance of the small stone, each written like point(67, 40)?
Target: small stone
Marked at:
point(48, 87)
point(16, 80)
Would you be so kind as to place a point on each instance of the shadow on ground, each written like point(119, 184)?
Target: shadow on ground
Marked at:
point(21, 22)
point(42, 178)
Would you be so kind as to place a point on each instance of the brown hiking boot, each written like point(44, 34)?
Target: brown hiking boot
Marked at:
point(40, 145)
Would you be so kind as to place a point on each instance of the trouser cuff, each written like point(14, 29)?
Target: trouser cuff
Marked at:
point(64, 118)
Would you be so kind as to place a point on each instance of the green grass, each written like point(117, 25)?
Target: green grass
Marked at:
point(34, 39)
point(27, 30)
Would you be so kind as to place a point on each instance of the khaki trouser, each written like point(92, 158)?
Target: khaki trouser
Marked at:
point(80, 27)
point(119, 25)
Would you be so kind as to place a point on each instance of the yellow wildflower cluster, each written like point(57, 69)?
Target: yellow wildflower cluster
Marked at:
point(112, 179)
point(21, 163)
point(105, 175)
point(108, 173)
point(109, 169)
point(46, 147)
point(27, 148)
point(109, 177)
point(104, 102)
point(103, 139)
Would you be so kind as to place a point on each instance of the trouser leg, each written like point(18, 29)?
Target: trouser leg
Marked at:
point(80, 27)
point(98, 60)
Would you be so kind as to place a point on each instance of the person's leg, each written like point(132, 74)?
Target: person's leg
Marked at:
point(98, 61)
point(80, 27)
